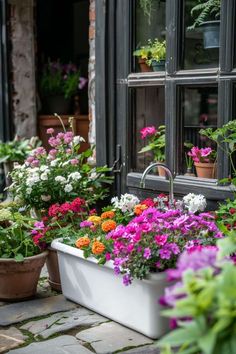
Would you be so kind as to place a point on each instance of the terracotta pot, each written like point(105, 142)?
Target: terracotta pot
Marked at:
point(205, 170)
point(18, 280)
point(143, 66)
point(161, 172)
point(53, 269)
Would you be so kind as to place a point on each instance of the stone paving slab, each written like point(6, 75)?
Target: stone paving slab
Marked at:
point(63, 321)
point(59, 345)
point(110, 337)
point(147, 349)
point(10, 338)
point(21, 311)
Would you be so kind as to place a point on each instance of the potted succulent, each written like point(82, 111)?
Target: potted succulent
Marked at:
point(20, 259)
point(156, 144)
point(130, 258)
point(157, 55)
point(143, 55)
point(58, 83)
point(204, 161)
point(206, 9)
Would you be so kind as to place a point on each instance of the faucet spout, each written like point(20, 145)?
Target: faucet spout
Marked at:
point(169, 174)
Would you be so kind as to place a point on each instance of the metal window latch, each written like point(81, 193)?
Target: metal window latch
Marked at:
point(117, 165)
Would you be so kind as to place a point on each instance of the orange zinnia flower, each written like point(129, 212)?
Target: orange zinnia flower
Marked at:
point(139, 208)
point(108, 214)
point(95, 219)
point(98, 247)
point(108, 225)
point(82, 242)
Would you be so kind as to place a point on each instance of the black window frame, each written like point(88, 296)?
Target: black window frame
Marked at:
point(122, 25)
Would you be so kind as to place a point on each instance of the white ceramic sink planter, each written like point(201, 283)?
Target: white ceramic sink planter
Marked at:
point(99, 289)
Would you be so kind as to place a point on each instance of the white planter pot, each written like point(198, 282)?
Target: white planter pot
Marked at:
point(99, 289)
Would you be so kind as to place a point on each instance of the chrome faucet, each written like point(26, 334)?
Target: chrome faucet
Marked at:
point(169, 174)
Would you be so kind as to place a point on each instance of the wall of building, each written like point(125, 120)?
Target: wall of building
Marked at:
point(22, 61)
point(91, 86)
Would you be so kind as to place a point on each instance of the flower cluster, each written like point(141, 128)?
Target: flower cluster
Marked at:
point(226, 215)
point(59, 175)
point(203, 155)
point(59, 79)
point(156, 141)
point(153, 240)
point(60, 220)
point(194, 202)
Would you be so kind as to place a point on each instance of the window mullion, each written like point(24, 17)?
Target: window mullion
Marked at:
point(227, 35)
point(173, 29)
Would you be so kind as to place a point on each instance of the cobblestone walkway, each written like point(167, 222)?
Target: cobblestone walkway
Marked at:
point(50, 324)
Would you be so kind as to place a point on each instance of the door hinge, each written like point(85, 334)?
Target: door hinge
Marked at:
point(117, 164)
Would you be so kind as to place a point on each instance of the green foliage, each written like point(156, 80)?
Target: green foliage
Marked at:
point(58, 79)
point(205, 9)
point(16, 150)
point(143, 52)
point(146, 6)
point(157, 51)
point(156, 144)
point(225, 138)
point(15, 238)
point(210, 302)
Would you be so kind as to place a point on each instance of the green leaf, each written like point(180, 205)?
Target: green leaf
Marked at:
point(207, 342)
point(181, 336)
point(19, 257)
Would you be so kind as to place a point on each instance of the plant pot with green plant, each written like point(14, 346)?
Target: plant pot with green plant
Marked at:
point(143, 54)
point(204, 161)
point(21, 260)
point(58, 84)
point(156, 144)
point(208, 20)
point(157, 55)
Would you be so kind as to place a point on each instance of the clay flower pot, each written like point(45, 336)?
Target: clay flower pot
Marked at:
point(18, 280)
point(53, 269)
point(143, 65)
point(205, 170)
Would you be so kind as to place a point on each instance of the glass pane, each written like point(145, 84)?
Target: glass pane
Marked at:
point(149, 27)
point(199, 111)
point(149, 111)
point(201, 35)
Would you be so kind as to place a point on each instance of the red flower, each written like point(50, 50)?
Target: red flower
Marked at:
point(148, 202)
point(54, 210)
point(232, 211)
point(77, 205)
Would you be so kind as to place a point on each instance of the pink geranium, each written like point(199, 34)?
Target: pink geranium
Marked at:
point(203, 155)
point(148, 131)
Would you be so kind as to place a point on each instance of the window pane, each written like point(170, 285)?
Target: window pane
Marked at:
point(149, 25)
point(149, 110)
point(201, 36)
point(198, 111)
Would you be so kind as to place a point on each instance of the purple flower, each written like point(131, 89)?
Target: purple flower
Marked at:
point(50, 131)
point(85, 223)
point(173, 247)
point(39, 225)
point(126, 279)
point(161, 239)
point(165, 253)
point(147, 253)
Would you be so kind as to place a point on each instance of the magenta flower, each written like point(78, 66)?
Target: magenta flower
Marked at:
point(147, 253)
point(74, 161)
point(161, 239)
point(85, 223)
point(50, 131)
point(147, 131)
point(165, 253)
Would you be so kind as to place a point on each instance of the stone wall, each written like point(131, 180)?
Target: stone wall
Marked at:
point(22, 58)
point(91, 88)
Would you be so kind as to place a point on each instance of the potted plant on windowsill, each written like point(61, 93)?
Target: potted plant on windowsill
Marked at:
point(206, 9)
point(156, 144)
point(143, 55)
point(204, 161)
point(157, 55)
point(58, 84)
point(21, 260)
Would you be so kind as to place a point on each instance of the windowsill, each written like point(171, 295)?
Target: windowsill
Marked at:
point(182, 185)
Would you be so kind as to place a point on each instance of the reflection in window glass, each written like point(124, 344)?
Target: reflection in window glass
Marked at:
point(201, 40)
point(149, 25)
point(149, 110)
point(199, 111)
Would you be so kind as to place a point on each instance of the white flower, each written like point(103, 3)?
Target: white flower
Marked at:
point(78, 139)
point(194, 202)
point(74, 176)
point(68, 188)
point(45, 198)
point(28, 190)
point(53, 163)
point(44, 176)
point(93, 176)
point(43, 168)
point(60, 179)
point(126, 203)
point(32, 179)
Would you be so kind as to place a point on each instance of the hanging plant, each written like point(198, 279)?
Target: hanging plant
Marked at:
point(146, 6)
